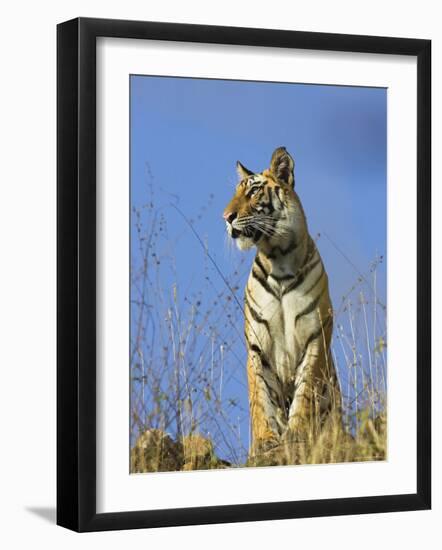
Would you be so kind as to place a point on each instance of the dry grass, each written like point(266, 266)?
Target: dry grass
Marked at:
point(155, 451)
point(333, 445)
point(186, 356)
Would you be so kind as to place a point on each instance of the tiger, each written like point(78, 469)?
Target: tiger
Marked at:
point(288, 318)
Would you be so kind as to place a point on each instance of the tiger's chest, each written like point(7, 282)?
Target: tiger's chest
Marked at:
point(272, 321)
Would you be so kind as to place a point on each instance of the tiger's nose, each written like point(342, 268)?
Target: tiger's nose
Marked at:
point(229, 216)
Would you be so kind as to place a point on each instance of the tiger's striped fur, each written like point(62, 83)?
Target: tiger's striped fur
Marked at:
point(293, 386)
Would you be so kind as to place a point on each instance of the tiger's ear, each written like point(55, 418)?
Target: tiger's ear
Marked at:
point(282, 166)
point(243, 172)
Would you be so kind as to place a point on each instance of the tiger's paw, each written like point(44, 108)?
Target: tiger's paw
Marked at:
point(265, 445)
point(294, 443)
point(266, 452)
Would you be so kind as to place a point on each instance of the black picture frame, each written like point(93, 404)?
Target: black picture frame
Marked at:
point(77, 287)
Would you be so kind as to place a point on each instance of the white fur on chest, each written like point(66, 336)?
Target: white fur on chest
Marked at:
point(277, 336)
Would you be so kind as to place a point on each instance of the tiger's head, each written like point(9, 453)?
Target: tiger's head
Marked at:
point(265, 209)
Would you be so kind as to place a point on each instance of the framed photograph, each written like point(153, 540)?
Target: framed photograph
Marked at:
point(243, 274)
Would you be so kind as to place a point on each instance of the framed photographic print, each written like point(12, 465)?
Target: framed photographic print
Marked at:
point(243, 274)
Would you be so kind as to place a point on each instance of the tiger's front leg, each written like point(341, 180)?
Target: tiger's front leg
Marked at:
point(304, 419)
point(265, 398)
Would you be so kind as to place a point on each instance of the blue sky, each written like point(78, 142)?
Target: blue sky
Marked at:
point(187, 134)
